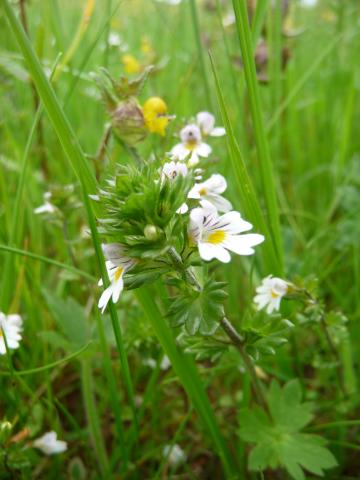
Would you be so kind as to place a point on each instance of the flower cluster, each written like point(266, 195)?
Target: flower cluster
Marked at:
point(152, 212)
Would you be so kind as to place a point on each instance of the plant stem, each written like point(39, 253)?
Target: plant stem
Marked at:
point(238, 343)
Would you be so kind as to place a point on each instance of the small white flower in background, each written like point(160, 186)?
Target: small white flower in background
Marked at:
point(116, 264)
point(270, 293)
point(211, 190)
point(165, 363)
point(170, 2)
point(11, 328)
point(229, 19)
point(175, 454)
point(114, 39)
point(172, 170)
point(215, 235)
point(191, 146)
point(49, 444)
point(308, 3)
point(47, 206)
point(206, 123)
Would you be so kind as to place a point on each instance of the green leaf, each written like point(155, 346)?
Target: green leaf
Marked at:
point(70, 317)
point(199, 311)
point(278, 439)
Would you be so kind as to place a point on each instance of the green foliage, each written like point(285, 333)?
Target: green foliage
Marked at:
point(70, 319)
point(262, 334)
point(279, 441)
point(139, 210)
point(199, 310)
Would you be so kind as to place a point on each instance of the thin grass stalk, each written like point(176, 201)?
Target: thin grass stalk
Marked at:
point(245, 188)
point(81, 168)
point(15, 227)
point(87, 383)
point(258, 20)
point(185, 369)
point(197, 33)
point(266, 169)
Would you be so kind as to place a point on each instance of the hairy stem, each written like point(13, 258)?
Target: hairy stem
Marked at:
point(238, 343)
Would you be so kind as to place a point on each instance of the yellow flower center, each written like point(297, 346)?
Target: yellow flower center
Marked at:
point(191, 145)
point(155, 115)
point(216, 237)
point(118, 273)
point(273, 294)
point(131, 64)
point(202, 192)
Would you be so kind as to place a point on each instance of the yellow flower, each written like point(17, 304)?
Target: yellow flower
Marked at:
point(131, 64)
point(155, 115)
point(146, 47)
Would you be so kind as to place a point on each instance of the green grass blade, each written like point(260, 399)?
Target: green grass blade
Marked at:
point(80, 166)
point(197, 33)
point(247, 194)
point(258, 20)
point(266, 169)
point(16, 223)
point(186, 370)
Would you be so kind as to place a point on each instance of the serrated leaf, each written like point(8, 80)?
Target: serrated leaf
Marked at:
point(278, 439)
point(70, 318)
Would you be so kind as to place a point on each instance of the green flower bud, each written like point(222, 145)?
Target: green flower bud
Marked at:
point(150, 232)
point(5, 429)
point(128, 121)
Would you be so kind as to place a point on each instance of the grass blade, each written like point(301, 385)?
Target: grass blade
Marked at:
point(80, 166)
point(248, 198)
point(266, 169)
point(186, 370)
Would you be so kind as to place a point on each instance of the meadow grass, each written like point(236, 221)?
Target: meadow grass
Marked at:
point(291, 161)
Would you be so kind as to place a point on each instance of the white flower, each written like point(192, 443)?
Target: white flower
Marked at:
point(215, 235)
point(210, 190)
point(114, 39)
point(165, 363)
point(47, 206)
point(170, 2)
point(49, 444)
point(175, 454)
point(116, 264)
point(270, 293)
point(172, 170)
point(206, 123)
point(11, 328)
point(309, 3)
point(191, 145)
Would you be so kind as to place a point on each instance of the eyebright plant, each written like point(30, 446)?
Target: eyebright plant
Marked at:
point(166, 217)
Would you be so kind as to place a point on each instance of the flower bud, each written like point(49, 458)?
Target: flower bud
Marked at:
point(5, 429)
point(150, 232)
point(128, 121)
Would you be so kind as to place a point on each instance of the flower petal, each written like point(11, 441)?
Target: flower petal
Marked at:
point(209, 251)
point(242, 244)
point(217, 132)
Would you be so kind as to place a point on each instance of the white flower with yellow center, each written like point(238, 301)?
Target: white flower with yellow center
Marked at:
point(206, 123)
point(49, 444)
point(116, 264)
point(215, 235)
point(10, 328)
point(211, 191)
point(191, 145)
point(270, 293)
